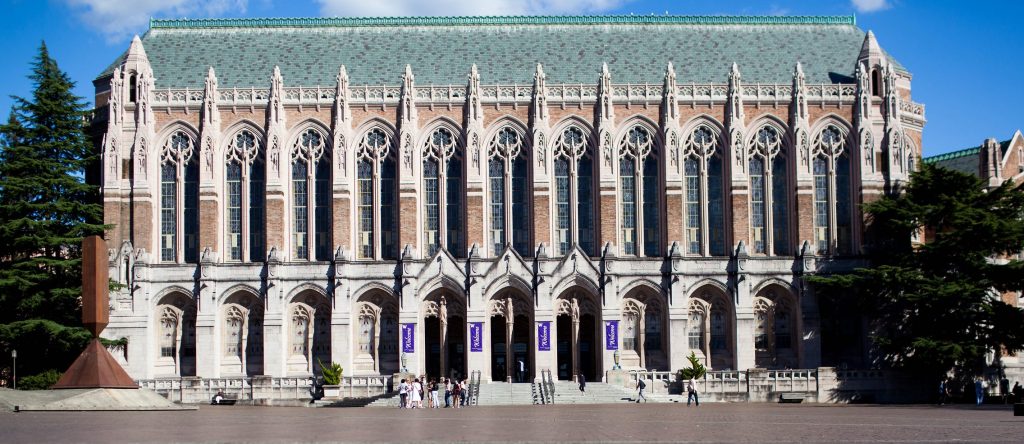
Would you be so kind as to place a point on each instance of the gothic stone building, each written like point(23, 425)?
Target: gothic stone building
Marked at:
point(461, 194)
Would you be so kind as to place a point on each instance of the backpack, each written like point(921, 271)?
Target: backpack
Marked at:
point(641, 384)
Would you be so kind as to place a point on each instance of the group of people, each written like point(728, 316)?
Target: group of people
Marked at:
point(411, 394)
point(691, 391)
point(980, 386)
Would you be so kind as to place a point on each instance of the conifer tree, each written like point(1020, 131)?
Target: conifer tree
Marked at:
point(937, 305)
point(46, 208)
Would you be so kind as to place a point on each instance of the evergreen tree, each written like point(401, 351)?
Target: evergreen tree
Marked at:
point(46, 208)
point(936, 305)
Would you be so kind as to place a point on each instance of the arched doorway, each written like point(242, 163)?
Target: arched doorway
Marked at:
point(710, 328)
point(578, 347)
point(242, 335)
point(776, 329)
point(376, 334)
point(309, 333)
point(176, 336)
point(444, 335)
point(511, 324)
point(644, 338)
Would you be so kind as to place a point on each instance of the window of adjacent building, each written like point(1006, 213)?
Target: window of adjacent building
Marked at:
point(179, 199)
point(574, 191)
point(376, 187)
point(245, 173)
point(311, 171)
point(639, 186)
point(704, 218)
point(442, 193)
point(507, 176)
point(833, 218)
point(769, 193)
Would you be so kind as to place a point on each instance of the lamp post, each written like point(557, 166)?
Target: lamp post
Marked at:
point(14, 368)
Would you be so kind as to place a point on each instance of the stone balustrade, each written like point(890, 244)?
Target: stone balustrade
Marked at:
point(258, 389)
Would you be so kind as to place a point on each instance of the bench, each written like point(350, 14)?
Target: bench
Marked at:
point(791, 398)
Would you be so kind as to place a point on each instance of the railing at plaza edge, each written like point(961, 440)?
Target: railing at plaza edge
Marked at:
point(728, 383)
point(196, 390)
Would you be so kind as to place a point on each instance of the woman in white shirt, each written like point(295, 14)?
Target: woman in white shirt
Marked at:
point(417, 394)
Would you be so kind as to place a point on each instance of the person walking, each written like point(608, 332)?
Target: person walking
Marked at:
point(943, 391)
point(691, 390)
point(520, 370)
point(416, 399)
point(979, 390)
point(403, 394)
point(641, 385)
point(583, 383)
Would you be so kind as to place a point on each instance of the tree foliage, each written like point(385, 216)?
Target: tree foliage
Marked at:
point(696, 370)
point(46, 208)
point(936, 305)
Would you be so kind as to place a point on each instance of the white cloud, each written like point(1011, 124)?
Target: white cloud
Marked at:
point(371, 8)
point(118, 19)
point(869, 5)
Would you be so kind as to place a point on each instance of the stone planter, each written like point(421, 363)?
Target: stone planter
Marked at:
point(332, 391)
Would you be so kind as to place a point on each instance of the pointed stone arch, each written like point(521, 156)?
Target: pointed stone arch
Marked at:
point(375, 330)
point(644, 327)
point(711, 325)
point(241, 314)
point(308, 320)
point(777, 325)
point(175, 319)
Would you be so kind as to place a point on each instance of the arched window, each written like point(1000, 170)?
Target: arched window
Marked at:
point(574, 192)
point(762, 325)
point(442, 194)
point(376, 231)
point(769, 193)
point(133, 86)
point(775, 330)
point(876, 83)
point(507, 176)
point(697, 333)
point(245, 197)
point(704, 220)
point(833, 219)
point(639, 184)
point(311, 196)
point(179, 200)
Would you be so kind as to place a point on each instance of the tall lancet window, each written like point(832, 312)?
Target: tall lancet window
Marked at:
point(704, 221)
point(311, 171)
point(442, 194)
point(639, 185)
point(833, 218)
point(179, 199)
point(376, 193)
point(574, 192)
point(769, 193)
point(507, 177)
point(245, 176)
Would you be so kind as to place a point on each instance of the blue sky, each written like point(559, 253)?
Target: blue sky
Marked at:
point(966, 57)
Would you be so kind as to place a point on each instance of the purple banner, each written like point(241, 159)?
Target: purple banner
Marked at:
point(544, 336)
point(476, 336)
point(408, 338)
point(611, 335)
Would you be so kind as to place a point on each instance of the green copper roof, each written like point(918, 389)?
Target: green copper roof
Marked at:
point(506, 50)
point(953, 155)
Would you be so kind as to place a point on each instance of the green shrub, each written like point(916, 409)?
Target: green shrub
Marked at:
point(695, 371)
point(332, 372)
point(41, 381)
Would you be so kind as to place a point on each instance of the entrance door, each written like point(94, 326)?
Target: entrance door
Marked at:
point(432, 338)
point(498, 350)
point(456, 347)
point(521, 364)
point(563, 329)
point(589, 347)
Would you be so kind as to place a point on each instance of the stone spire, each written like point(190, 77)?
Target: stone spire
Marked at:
point(670, 122)
point(736, 119)
point(540, 96)
point(276, 127)
point(799, 120)
point(870, 50)
point(209, 130)
point(474, 122)
point(407, 127)
point(604, 90)
point(111, 139)
point(605, 121)
point(276, 113)
point(211, 114)
point(408, 111)
point(539, 122)
point(862, 117)
point(342, 124)
point(144, 153)
point(670, 106)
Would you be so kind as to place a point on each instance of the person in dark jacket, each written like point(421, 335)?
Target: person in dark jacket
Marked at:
point(583, 383)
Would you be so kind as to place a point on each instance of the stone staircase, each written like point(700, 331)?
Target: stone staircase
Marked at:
point(597, 393)
point(503, 393)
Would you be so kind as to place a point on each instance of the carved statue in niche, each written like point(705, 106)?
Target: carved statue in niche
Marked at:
point(141, 156)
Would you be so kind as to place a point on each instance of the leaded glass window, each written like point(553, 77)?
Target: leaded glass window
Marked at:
point(377, 231)
point(442, 193)
point(179, 197)
point(703, 218)
point(310, 196)
point(719, 327)
point(769, 193)
point(716, 207)
point(691, 175)
point(508, 173)
point(640, 188)
point(696, 330)
point(833, 220)
point(574, 182)
point(245, 176)
point(821, 210)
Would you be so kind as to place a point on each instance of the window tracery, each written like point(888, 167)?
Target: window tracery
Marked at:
point(377, 238)
point(245, 176)
point(833, 219)
point(442, 191)
point(704, 219)
point(507, 173)
point(574, 191)
point(639, 187)
point(179, 199)
point(769, 193)
point(311, 171)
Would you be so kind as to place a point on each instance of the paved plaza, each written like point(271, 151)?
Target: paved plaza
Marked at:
point(662, 422)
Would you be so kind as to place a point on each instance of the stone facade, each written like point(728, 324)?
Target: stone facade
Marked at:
point(573, 227)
